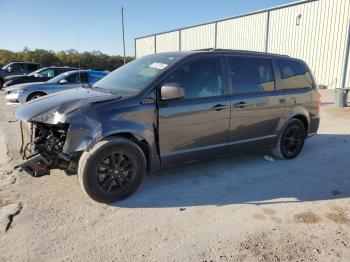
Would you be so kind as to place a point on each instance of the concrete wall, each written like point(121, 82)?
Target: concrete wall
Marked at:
point(315, 31)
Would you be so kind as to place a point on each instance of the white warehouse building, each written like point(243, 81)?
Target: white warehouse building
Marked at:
point(316, 31)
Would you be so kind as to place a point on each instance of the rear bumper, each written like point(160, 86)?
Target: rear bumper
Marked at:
point(314, 125)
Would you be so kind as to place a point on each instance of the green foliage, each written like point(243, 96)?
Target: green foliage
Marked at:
point(87, 60)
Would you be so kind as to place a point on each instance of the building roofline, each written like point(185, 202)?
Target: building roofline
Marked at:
point(234, 17)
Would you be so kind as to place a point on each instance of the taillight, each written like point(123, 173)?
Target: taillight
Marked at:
point(318, 101)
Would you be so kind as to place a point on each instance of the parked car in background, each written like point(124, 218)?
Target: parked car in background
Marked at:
point(171, 108)
point(16, 68)
point(40, 75)
point(21, 93)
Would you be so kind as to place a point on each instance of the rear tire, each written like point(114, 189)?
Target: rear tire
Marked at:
point(112, 170)
point(291, 140)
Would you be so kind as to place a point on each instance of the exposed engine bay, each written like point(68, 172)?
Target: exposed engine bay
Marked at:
point(41, 148)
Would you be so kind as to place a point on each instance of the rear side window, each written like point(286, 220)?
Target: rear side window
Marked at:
point(199, 78)
point(48, 72)
point(250, 75)
point(32, 67)
point(17, 68)
point(294, 75)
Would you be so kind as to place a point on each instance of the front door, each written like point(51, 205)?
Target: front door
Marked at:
point(256, 105)
point(196, 126)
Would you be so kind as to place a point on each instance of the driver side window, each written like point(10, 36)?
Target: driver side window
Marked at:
point(199, 78)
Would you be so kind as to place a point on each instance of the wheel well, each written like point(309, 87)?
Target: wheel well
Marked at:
point(35, 93)
point(303, 119)
point(142, 144)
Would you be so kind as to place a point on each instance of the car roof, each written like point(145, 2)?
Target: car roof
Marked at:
point(228, 51)
point(85, 71)
point(15, 62)
point(60, 67)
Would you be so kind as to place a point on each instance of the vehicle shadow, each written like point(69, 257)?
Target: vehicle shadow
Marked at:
point(319, 173)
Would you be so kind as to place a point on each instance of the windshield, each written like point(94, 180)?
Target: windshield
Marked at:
point(133, 77)
point(58, 78)
point(6, 66)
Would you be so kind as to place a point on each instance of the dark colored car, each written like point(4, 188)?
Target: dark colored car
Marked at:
point(168, 109)
point(16, 68)
point(40, 75)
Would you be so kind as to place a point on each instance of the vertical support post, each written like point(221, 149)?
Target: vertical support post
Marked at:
point(135, 50)
point(216, 36)
point(180, 40)
point(155, 44)
point(123, 35)
point(346, 59)
point(267, 32)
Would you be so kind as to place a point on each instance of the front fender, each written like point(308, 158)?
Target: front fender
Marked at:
point(88, 128)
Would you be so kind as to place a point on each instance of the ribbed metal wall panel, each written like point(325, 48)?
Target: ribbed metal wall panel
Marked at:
point(244, 33)
point(199, 37)
point(145, 46)
point(167, 42)
point(319, 39)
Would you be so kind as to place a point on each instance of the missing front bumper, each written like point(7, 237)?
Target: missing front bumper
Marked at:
point(36, 166)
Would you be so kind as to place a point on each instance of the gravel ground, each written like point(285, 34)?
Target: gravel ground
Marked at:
point(242, 208)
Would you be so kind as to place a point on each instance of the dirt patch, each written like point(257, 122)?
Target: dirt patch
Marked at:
point(259, 216)
point(307, 217)
point(269, 211)
point(264, 247)
point(339, 218)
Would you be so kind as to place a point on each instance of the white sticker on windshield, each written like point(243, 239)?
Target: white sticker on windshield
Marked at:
point(156, 65)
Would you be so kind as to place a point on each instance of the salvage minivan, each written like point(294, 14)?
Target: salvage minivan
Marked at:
point(168, 109)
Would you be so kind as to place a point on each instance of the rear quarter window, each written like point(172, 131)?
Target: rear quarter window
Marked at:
point(295, 75)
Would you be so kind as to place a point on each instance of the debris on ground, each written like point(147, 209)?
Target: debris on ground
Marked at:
point(182, 209)
point(269, 158)
point(7, 213)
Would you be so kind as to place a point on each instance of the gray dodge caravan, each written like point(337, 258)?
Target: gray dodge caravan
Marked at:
point(168, 109)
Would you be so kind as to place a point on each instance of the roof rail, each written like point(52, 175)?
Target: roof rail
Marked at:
point(239, 51)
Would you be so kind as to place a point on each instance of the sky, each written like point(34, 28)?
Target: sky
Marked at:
point(57, 25)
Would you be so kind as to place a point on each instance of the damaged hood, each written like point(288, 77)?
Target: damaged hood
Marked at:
point(54, 108)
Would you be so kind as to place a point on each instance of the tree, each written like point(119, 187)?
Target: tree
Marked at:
point(87, 60)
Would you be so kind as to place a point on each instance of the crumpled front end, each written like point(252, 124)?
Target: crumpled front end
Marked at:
point(42, 146)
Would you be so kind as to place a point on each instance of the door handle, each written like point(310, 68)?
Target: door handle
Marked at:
point(240, 104)
point(219, 107)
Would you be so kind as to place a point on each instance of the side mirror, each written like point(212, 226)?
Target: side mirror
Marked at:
point(172, 91)
point(9, 69)
point(63, 82)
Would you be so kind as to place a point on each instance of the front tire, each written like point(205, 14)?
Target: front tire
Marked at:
point(112, 170)
point(35, 96)
point(291, 140)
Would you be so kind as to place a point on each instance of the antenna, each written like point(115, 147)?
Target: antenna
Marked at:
point(123, 34)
